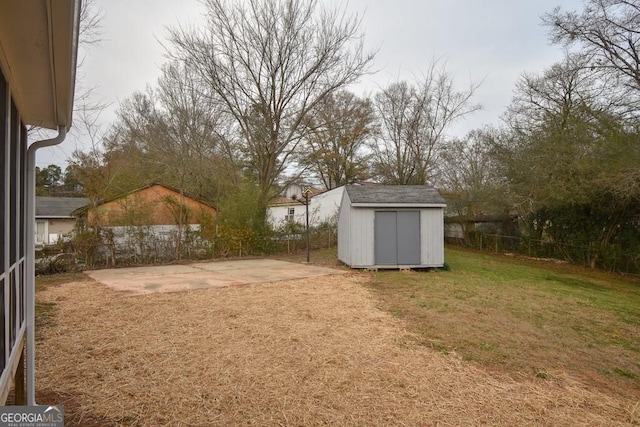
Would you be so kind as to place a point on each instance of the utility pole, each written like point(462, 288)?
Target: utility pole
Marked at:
point(306, 193)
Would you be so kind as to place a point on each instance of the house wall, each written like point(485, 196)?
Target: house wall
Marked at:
point(323, 208)
point(278, 216)
point(13, 265)
point(60, 227)
point(55, 229)
point(148, 206)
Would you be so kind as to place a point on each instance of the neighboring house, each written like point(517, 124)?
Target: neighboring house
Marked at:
point(54, 220)
point(391, 226)
point(38, 51)
point(159, 209)
point(290, 208)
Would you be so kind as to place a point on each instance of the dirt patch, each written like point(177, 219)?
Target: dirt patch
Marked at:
point(301, 352)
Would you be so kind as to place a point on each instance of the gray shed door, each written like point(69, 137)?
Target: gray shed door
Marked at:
point(397, 238)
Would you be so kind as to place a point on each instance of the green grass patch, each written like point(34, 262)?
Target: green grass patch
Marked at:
point(515, 315)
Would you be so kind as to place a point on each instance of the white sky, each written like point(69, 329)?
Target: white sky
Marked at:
point(488, 41)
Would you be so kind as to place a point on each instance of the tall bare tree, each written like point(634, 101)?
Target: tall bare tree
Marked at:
point(470, 176)
point(181, 133)
point(607, 35)
point(551, 98)
point(270, 62)
point(337, 132)
point(414, 119)
point(192, 135)
point(87, 107)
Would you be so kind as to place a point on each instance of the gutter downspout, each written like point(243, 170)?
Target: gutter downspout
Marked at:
point(30, 293)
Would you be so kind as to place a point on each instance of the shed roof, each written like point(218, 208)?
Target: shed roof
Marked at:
point(58, 207)
point(413, 195)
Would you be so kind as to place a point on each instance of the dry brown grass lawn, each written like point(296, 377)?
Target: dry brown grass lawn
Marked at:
point(296, 353)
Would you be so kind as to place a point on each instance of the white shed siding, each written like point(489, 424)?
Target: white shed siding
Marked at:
point(432, 235)
point(344, 228)
point(356, 224)
point(362, 237)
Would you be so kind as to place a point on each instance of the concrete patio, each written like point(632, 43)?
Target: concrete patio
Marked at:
point(217, 274)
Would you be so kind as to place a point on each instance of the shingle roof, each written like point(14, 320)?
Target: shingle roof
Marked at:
point(56, 207)
point(394, 194)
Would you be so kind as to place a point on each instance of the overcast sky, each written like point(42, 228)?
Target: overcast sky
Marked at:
point(487, 41)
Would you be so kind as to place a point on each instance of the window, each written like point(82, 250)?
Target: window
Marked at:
point(291, 215)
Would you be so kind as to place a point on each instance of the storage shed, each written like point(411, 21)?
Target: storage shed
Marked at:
point(391, 226)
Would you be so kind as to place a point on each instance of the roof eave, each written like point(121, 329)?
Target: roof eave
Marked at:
point(38, 57)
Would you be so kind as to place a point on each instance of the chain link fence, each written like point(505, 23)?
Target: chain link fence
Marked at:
point(116, 247)
point(611, 258)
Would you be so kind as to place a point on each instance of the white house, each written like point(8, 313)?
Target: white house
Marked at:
point(391, 226)
point(323, 207)
point(54, 219)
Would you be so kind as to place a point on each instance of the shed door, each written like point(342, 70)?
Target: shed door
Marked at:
point(386, 238)
point(397, 238)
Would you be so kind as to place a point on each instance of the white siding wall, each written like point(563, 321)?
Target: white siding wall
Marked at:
point(432, 235)
point(344, 229)
point(277, 215)
point(356, 234)
point(60, 229)
point(123, 235)
point(322, 208)
point(362, 235)
point(325, 206)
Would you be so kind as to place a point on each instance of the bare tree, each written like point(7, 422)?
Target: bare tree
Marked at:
point(555, 95)
point(393, 156)
point(607, 33)
point(337, 132)
point(91, 17)
point(414, 120)
point(270, 62)
point(182, 134)
point(471, 177)
point(192, 134)
point(90, 23)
